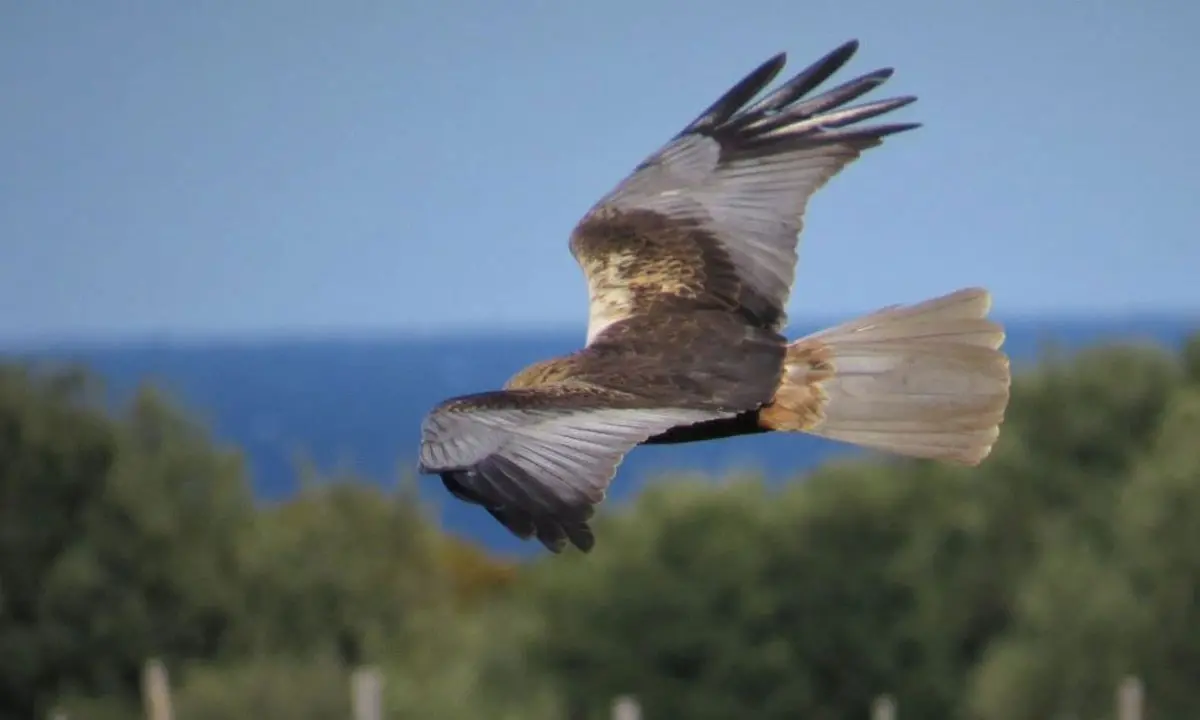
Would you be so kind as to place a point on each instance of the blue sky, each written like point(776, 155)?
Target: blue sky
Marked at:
point(230, 168)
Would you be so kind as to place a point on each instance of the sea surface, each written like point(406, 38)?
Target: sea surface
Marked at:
point(357, 403)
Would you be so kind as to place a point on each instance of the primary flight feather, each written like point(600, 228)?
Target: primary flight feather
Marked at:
point(689, 264)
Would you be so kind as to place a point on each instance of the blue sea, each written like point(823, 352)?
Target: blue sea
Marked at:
point(357, 403)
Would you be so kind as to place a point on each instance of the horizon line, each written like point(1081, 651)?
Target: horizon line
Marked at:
point(299, 334)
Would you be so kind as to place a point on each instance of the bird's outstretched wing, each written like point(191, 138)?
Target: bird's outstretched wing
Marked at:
point(712, 219)
point(539, 460)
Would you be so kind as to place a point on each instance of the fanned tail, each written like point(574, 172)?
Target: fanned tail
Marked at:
point(927, 380)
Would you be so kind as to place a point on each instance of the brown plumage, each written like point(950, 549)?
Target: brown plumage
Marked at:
point(689, 264)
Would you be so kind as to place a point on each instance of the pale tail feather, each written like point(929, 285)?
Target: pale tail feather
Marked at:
point(926, 380)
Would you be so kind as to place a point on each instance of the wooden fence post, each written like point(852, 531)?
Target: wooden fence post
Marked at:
point(626, 707)
point(1130, 699)
point(367, 693)
point(156, 691)
point(884, 708)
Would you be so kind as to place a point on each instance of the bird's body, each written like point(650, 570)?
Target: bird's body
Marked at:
point(689, 265)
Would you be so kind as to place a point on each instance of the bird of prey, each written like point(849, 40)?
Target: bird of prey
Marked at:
point(689, 264)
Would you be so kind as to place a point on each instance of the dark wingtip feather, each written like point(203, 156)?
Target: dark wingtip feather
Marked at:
point(737, 96)
point(805, 81)
point(782, 109)
point(555, 535)
point(821, 109)
point(786, 117)
point(518, 523)
point(831, 62)
point(551, 535)
point(834, 59)
point(581, 537)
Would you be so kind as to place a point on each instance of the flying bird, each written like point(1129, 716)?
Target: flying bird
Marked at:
point(689, 263)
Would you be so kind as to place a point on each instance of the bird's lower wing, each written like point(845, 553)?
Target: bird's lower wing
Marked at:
point(540, 460)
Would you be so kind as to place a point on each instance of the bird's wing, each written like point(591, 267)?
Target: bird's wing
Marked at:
point(712, 219)
point(540, 459)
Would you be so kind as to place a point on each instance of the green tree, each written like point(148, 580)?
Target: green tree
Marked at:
point(1074, 431)
point(664, 607)
point(55, 451)
point(875, 576)
point(1191, 358)
point(266, 688)
point(1070, 642)
point(471, 663)
point(357, 573)
point(129, 535)
point(1025, 587)
point(341, 568)
point(1159, 543)
point(720, 601)
point(118, 539)
point(1090, 613)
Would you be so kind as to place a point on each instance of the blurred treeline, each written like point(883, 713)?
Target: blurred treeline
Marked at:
point(1024, 588)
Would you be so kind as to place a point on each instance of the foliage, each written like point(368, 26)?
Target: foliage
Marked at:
point(128, 535)
point(1159, 553)
point(1067, 650)
point(266, 688)
point(1026, 587)
point(340, 569)
point(1015, 589)
point(471, 664)
point(117, 540)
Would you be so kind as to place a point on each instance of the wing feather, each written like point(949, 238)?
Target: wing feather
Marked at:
point(713, 218)
point(540, 460)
